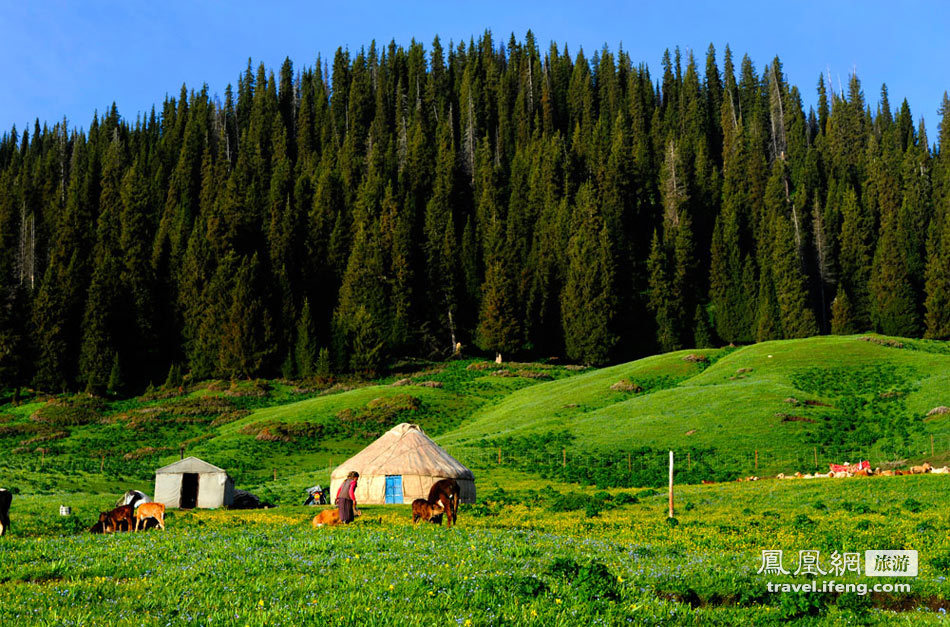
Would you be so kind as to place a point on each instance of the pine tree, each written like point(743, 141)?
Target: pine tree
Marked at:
point(498, 327)
point(305, 349)
point(588, 301)
point(842, 315)
point(893, 302)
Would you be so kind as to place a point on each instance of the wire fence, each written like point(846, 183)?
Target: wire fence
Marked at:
point(640, 466)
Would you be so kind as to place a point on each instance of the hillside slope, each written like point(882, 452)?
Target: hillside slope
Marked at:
point(863, 394)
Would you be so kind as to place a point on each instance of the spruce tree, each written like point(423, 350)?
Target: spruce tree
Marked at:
point(588, 300)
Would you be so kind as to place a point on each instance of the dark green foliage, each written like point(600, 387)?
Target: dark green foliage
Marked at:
point(400, 204)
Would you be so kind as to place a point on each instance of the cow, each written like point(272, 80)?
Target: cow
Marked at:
point(886, 473)
point(150, 510)
point(119, 517)
point(941, 471)
point(329, 517)
point(446, 492)
point(133, 498)
point(707, 482)
point(6, 497)
point(421, 510)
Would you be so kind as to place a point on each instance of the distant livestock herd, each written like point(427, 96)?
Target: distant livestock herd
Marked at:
point(837, 471)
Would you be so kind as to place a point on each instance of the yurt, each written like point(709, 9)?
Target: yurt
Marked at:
point(191, 483)
point(400, 467)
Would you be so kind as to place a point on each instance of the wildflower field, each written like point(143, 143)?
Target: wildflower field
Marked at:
point(532, 553)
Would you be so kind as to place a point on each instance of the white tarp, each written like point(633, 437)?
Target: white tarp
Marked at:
point(215, 487)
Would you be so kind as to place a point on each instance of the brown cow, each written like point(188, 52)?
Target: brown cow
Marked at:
point(120, 516)
point(329, 517)
point(446, 492)
point(421, 510)
point(150, 510)
point(6, 497)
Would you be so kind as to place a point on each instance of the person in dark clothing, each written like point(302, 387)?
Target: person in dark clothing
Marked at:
point(346, 498)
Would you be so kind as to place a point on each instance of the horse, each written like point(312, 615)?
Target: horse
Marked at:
point(445, 492)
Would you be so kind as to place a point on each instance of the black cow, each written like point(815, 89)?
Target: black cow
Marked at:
point(6, 497)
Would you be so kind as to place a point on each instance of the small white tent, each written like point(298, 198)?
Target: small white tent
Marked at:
point(192, 482)
point(400, 467)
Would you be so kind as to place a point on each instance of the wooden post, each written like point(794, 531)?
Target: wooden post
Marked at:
point(671, 484)
point(102, 462)
point(756, 459)
point(181, 451)
point(816, 457)
point(563, 458)
point(689, 461)
point(931, 445)
point(275, 474)
point(499, 455)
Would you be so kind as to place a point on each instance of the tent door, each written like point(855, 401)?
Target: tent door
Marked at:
point(189, 490)
point(394, 490)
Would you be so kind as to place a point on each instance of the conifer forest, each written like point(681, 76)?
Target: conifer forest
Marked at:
point(395, 201)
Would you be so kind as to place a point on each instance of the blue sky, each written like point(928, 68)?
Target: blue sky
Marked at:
point(71, 58)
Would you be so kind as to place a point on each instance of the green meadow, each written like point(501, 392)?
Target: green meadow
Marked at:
point(570, 526)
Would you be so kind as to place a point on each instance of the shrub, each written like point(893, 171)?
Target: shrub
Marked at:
point(912, 505)
point(597, 582)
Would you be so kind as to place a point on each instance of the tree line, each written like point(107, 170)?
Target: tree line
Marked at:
point(503, 197)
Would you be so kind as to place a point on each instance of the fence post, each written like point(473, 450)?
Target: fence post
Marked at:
point(499, 456)
point(671, 484)
point(756, 459)
point(275, 474)
point(689, 461)
point(564, 458)
point(816, 457)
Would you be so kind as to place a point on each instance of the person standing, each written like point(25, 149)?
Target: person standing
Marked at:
point(346, 498)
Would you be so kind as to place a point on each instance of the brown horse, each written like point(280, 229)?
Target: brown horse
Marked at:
point(445, 492)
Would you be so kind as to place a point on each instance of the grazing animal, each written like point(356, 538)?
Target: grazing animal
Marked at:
point(6, 497)
point(133, 498)
point(329, 517)
point(150, 510)
point(922, 469)
point(707, 482)
point(941, 471)
point(119, 517)
point(421, 510)
point(861, 473)
point(886, 473)
point(446, 492)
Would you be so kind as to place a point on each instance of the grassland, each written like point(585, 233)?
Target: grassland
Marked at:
point(565, 531)
point(530, 553)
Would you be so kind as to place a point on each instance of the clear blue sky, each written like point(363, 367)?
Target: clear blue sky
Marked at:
point(71, 58)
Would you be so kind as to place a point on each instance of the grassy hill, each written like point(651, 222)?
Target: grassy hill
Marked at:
point(844, 397)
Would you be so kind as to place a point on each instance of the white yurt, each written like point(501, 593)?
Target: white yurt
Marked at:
point(191, 483)
point(400, 467)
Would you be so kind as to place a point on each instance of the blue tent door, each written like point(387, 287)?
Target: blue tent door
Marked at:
point(394, 489)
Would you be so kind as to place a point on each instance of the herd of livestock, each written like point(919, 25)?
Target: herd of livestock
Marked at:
point(863, 469)
point(136, 511)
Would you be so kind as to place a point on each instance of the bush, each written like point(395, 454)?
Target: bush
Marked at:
point(912, 505)
point(597, 582)
point(625, 498)
point(564, 567)
point(793, 605)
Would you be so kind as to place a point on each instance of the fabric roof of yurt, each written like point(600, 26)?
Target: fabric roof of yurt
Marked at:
point(407, 451)
point(189, 465)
